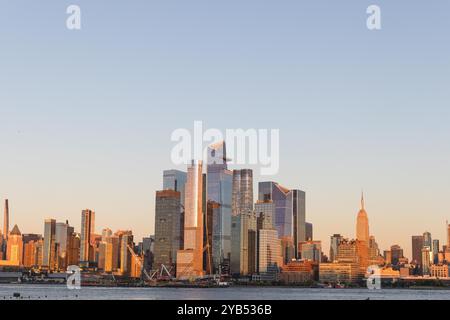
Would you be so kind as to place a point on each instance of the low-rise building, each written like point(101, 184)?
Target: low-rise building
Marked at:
point(339, 272)
point(298, 272)
point(439, 271)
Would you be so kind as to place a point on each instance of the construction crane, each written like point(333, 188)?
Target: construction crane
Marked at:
point(138, 259)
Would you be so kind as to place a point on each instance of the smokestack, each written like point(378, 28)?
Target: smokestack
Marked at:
point(6, 219)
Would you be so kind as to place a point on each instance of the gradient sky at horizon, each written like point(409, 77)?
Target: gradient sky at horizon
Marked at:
point(86, 116)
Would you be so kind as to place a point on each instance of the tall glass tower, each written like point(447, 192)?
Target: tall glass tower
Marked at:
point(417, 245)
point(435, 251)
point(48, 257)
point(87, 229)
point(335, 240)
point(290, 211)
point(427, 240)
point(242, 198)
point(169, 228)
point(219, 189)
point(427, 244)
point(175, 180)
point(190, 259)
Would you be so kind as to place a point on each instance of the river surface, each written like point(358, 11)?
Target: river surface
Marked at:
point(58, 292)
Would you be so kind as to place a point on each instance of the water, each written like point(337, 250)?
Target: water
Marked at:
point(58, 292)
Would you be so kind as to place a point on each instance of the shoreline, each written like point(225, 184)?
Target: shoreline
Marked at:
point(175, 286)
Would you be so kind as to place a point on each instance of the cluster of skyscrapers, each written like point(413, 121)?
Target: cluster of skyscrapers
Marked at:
point(349, 260)
point(208, 222)
point(427, 255)
point(61, 247)
point(221, 229)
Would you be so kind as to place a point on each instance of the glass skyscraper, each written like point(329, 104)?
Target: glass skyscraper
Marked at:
point(309, 231)
point(417, 245)
point(335, 240)
point(269, 250)
point(219, 190)
point(48, 257)
point(311, 250)
point(190, 259)
point(427, 241)
point(87, 229)
point(244, 244)
point(242, 198)
point(396, 254)
point(289, 211)
point(174, 180)
point(435, 251)
point(265, 212)
point(125, 255)
point(62, 238)
point(169, 228)
point(428, 244)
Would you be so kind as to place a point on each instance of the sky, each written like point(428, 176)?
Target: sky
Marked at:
point(86, 115)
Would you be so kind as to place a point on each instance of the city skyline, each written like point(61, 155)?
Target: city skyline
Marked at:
point(210, 228)
point(88, 114)
point(409, 249)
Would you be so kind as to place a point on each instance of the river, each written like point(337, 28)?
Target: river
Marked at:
point(58, 292)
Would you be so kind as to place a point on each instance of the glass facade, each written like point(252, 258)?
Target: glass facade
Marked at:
point(426, 260)
point(219, 190)
point(49, 242)
point(428, 244)
point(168, 228)
point(190, 259)
point(235, 258)
point(265, 211)
point(174, 180)
point(63, 232)
point(427, 241)
point(269, 249)
point(112, 246)
point(335, 240)
point(242, 199)
point(396, 254)
point(417, 245)
point(126, 242)
point(289, 211)
point(311, 250)
point(244, 244)
point(61, 236)
point(309, 231)
point(435, 251)
point(87, 229)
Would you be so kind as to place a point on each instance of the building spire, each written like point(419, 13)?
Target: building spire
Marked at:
point(362, 200)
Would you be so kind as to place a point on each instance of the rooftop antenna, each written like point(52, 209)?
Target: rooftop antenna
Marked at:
point(362, 199)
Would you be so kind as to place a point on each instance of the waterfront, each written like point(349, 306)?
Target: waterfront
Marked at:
point(60, 292)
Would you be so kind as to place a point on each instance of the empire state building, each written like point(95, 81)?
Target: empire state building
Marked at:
point(362, 224)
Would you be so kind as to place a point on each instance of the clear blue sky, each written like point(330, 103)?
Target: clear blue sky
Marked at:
point(86, 116)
